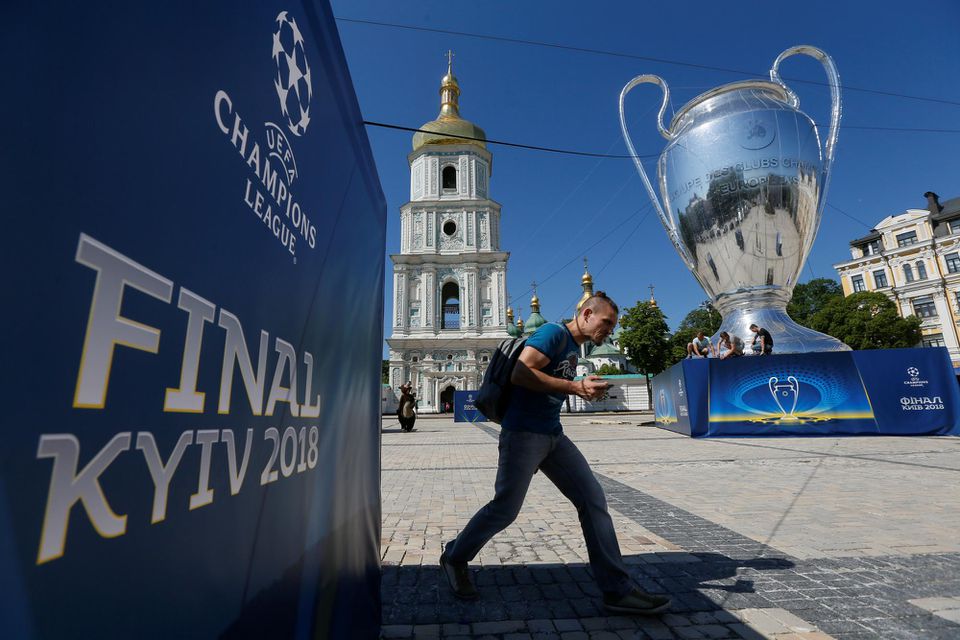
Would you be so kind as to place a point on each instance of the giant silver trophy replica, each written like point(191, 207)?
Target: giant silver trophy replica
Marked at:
point(744, 182)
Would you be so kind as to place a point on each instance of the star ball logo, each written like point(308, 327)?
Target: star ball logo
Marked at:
point(913, 378)
point(292, 81)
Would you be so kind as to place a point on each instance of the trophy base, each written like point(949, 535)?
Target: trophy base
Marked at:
point(769, 310)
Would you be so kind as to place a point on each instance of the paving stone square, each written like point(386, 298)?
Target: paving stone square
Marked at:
point(783, 538)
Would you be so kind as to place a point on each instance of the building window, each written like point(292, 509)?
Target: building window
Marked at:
point(450, 301)
point(921, 270)
point(934, 340)
point(449, 227)
point(858, 284)
point(906, 239)
point(956, 297)
point(880, 277)
point(953, 262)
point(924, 307)
point(872, 248)
point(954, 226)
point(415, 359)
point(449, 178)
point(908, 273)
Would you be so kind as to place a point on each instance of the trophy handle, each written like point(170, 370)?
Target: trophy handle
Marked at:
point(835, 106)
point(667, 222)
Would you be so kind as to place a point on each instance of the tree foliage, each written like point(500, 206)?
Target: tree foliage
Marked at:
point(867, 320)
point(608, 369)
point(811, 297)
point(704, 318)
point(385, 372)
point(644, 337)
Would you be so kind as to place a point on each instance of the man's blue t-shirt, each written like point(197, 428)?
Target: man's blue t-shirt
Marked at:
point(536, 411)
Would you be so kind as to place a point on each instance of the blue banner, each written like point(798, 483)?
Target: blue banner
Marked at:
point(191, 442)
point(917, 390)
point(893, 391)
point(464, 409)
point(802, 393)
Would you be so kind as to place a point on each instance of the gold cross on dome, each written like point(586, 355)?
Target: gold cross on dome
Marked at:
point(651, 290)
point(534, 285)
point(450, 55)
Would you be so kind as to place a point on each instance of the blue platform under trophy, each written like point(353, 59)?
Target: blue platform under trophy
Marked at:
point(881, 392)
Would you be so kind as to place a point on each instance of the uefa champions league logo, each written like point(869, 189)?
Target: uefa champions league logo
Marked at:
point(913, 378)
point(292, 81)
point(785, 394)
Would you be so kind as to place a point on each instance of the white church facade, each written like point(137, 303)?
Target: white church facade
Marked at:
point(450, 277)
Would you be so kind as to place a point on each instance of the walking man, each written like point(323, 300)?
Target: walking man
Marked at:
point(532, 438)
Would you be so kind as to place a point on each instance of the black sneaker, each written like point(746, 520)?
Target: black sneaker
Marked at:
point(458, 576)
point(637, 603)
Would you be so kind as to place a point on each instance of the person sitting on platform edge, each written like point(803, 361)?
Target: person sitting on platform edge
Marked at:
point(766, 341)
point(700, 347)
point(531, 439)
point(729, 347)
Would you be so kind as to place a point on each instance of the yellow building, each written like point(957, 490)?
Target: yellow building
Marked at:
point(914, 258)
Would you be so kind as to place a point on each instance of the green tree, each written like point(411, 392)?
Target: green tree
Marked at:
point(704, 318)
point(644, 339)
point(385, 372)
point(811, 297)
point(867, 320)
point(608, 369)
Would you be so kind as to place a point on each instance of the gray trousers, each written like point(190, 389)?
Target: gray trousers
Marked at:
point(521, 454)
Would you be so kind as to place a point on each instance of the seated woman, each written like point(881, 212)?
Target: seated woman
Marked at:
point(729, 346)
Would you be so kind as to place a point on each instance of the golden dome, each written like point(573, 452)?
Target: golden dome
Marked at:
point(535, 304)
point(449, 127)
point(587, 283)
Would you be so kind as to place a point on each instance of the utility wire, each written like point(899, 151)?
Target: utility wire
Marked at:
point(833, 206)
point(592, 154)
point(588, 154)
point(620, 54)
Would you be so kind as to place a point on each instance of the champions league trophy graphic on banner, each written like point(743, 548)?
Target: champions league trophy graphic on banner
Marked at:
point(744, 180)
point(785, 394)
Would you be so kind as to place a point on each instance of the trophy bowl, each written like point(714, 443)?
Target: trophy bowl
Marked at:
point(743, 180)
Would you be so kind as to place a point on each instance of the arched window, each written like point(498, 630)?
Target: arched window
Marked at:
point(450, 177)
point(908, 273)
point(450, 300)
point(921, 270)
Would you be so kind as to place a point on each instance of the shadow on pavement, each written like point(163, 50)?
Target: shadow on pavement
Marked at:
point(698, 582)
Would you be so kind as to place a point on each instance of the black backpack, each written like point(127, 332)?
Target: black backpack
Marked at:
point(494, 394)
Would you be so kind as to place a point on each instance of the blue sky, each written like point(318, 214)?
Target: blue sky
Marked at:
point(556, 206)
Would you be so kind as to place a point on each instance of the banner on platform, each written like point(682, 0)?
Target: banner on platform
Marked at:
point(464, 409)
point(191, 441)
point(888, 391)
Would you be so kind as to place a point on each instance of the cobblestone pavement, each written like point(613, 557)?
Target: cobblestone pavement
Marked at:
point(787, 538)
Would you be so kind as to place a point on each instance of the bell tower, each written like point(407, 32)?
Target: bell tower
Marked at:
point(449, 279)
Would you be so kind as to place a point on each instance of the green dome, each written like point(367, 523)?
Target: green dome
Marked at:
point(513, 331)
point(534, 322)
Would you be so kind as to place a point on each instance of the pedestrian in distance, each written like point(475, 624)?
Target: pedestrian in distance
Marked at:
point(729, 346)
point(407, 411)
point(762, 341)
point(532, 439)
point(700, 346)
